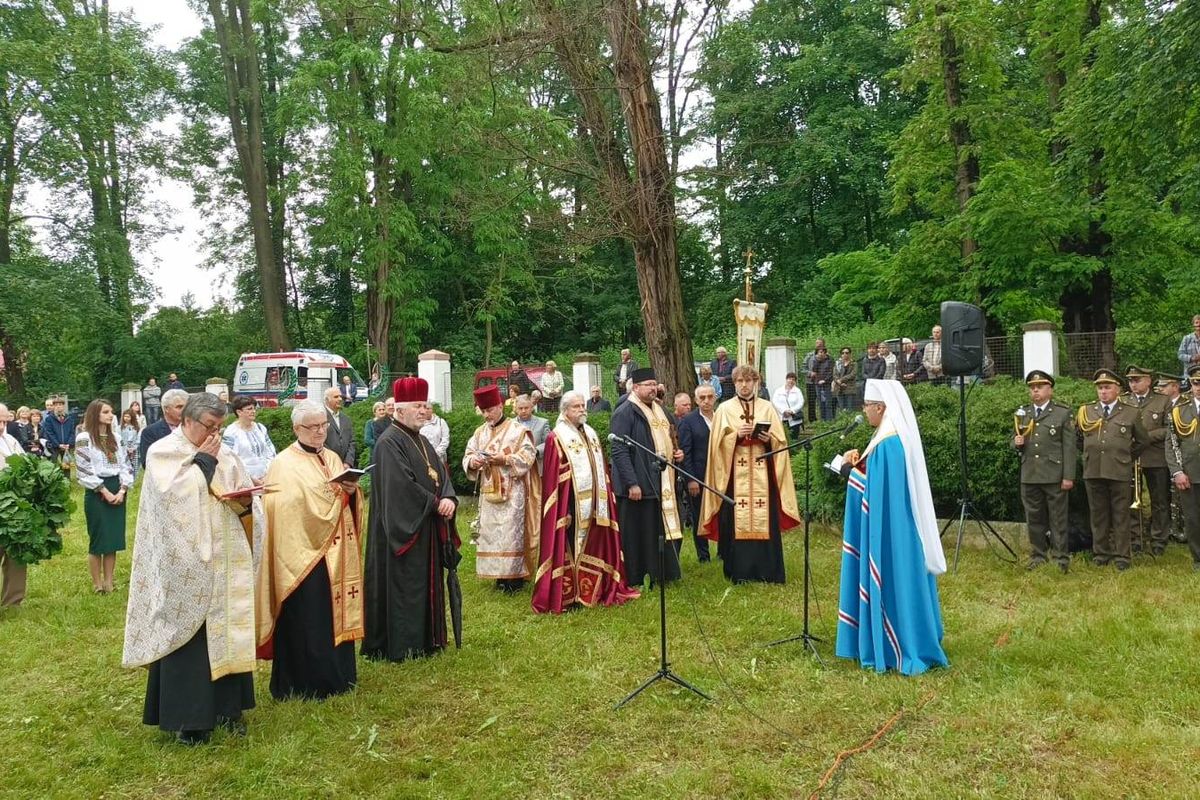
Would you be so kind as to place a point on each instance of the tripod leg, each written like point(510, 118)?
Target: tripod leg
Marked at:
point(986, 527)
point(962, 521)
point(653, 679)
point(678, 681)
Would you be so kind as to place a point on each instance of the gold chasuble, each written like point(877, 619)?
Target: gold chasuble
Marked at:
point(660, 431)
point(309, 519)
point(191, 562)
point(732, 465)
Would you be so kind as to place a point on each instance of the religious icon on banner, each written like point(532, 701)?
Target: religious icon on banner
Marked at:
point(751, 320)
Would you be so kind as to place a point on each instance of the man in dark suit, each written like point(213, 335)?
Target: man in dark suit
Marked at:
point(693, 441)
point(598, 403)
point(347, 390)
point(340, 438)
point(173, 382)
point(173, 401)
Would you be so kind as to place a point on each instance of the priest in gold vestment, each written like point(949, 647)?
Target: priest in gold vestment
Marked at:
point(308, 596)
point(190, 618)
point(764, 497)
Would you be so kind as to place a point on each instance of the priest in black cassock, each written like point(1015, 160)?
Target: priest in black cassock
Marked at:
point(645, 489)
point(308, 592)
point(411, 535)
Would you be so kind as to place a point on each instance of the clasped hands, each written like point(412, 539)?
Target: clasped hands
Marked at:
point(485, 459)
point(113, 499)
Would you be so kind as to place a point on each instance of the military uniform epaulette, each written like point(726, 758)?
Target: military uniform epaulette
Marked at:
point(1060, 405)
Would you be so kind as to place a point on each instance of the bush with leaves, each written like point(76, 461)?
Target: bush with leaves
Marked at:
point(35, 501)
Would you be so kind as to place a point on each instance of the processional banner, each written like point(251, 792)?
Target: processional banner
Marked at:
point(751, 320)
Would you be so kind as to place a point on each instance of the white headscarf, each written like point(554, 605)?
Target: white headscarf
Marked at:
point(899, 418)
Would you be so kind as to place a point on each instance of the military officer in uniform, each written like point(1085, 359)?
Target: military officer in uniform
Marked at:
point(1112, 438)
point(1168, 387)
point(1045, 439)
point(1153, 409)
point(1183, 460)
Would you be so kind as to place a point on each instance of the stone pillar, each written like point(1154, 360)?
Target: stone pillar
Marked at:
point(585, 373)
point(218, 385)
point(434, 367)
point(130, 393)
point(780, 360)
point(1040, 347)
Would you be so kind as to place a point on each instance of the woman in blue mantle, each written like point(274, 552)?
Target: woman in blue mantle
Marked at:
point(888, 611)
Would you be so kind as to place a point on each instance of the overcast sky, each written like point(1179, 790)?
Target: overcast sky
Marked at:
point(173, 263)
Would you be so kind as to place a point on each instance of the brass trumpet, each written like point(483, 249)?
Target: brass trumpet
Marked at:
point(1141, 490)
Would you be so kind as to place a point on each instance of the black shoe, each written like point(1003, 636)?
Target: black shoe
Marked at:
point(1034, 563)
point(193, 738)
point(1122, 566)
point(1179, 537)
point(1099, 562)
point(1063, 568)
point(1157, 551)
point(1137, 547)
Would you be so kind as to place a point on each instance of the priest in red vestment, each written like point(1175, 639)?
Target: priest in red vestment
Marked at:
point(580, 561)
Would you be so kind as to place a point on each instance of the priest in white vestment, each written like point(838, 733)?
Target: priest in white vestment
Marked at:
point(501, 458)
point(190, 619)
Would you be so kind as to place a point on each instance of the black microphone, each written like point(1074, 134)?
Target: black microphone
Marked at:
point(854, 423)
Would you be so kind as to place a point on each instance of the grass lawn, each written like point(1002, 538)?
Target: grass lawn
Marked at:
point(1086, 685)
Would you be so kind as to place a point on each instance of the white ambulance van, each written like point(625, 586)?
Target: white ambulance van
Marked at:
point(275, 379)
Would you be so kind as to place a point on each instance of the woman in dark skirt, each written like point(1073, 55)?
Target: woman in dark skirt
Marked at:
point(104, 472)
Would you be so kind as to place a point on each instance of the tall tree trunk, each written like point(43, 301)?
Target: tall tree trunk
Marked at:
point(642, 204)
point(243, 93)
point(10, 165)
point(966, 172)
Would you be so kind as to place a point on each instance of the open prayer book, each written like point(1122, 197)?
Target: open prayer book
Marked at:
point(250, 491)
point(835, 464)
point(350, 474)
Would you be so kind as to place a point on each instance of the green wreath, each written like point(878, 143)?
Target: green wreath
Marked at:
point(35, 501)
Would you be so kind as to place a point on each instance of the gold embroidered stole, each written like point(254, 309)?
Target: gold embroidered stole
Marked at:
point(660, 431)
point(751, 485)
point(494, 485)
point(587, 478)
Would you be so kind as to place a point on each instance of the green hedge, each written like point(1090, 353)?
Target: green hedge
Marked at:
point(993, 464)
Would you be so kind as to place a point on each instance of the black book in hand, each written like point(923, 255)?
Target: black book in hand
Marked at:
point(761, 428)
point(350, 474)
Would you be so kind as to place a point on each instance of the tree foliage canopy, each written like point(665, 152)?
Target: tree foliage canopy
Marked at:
point(477, 176)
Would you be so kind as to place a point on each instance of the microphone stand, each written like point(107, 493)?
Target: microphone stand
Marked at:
point(664, 672)
point(807, 443)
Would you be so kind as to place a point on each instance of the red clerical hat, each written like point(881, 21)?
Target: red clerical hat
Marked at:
point(410, 390)
point(488, 397)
